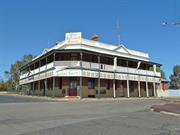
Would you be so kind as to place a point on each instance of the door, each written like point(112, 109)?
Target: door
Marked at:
point(73, 87)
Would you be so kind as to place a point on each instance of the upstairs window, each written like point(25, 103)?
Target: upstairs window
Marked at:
point(50, 59)
point(43, 62)
point(74, 56)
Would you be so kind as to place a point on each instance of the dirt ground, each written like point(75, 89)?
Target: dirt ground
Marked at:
point(172, 105)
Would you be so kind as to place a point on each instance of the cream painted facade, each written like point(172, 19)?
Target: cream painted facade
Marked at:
point(79, 64)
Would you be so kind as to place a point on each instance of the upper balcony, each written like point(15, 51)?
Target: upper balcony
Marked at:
point(62, 65)
point(111, 68)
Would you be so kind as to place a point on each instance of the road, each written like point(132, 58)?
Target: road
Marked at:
point(87, 117)
point(13, 99)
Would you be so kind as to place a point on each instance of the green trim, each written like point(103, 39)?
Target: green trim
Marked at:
point(81, 94)
point(45, 87)
point(99, 81)
point(39, 88)
point(114, 84)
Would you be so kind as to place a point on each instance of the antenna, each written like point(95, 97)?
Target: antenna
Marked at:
point(118, 31)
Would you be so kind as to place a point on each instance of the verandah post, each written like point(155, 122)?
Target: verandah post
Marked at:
point(39, 88)
point(54, 79)
point(81, 54)
point(99, 83)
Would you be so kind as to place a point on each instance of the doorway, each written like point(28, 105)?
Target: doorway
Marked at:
point(73, 86)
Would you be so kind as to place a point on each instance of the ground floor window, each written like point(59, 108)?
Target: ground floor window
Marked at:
point(91, 83)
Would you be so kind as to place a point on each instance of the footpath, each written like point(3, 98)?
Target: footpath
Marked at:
point(171, 107)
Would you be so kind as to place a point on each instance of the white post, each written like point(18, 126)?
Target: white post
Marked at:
point(114, 89)
point(154, 87)
point(139, 88)
point(127, 79)
point(154, 68)
point(161, 86)
point(127, 87)
point(114, 81)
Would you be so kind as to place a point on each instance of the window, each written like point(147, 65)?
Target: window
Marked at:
point(124, 63)
point(58, 57)
point(43, 62)
point(32, 67)
point(50, 59)
point(91, 83)
point(90, 58)
point(74, 56)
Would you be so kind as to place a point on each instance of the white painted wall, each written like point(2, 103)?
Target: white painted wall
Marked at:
point(168, 93)
point(162, 93)
point(174, 93)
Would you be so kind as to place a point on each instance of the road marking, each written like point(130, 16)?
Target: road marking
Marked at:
point(170, 113)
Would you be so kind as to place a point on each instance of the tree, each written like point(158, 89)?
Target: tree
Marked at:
point(175, 78)
point(163, 75)
point(27, 58)
point(13, 74)
point(2, 85)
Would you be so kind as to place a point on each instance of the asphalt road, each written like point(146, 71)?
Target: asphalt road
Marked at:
point(98, 117)
point(13, 99)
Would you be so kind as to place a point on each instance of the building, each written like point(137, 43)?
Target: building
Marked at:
point(89, 68)
point(164, 84)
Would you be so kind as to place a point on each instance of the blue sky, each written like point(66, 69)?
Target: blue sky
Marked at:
point(29, 26)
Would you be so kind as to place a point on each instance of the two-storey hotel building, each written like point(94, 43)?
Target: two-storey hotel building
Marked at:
point(89, 68)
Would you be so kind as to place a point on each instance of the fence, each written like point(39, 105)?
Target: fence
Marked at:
point(173, 93)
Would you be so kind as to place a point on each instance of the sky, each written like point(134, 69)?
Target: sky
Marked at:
point(29, 26)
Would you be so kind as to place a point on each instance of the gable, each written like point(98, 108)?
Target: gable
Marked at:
point(122, 49)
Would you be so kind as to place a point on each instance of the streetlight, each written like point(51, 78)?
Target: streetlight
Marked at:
point(175, 23)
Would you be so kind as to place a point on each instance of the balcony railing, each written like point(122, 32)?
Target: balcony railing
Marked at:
point(91, 65)
point(67, 63)
point(35, 71)
point(105, 67)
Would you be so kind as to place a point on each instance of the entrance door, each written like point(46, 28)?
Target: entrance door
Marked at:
point(73, 87)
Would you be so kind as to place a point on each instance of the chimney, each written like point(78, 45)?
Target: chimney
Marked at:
point(94, 37)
